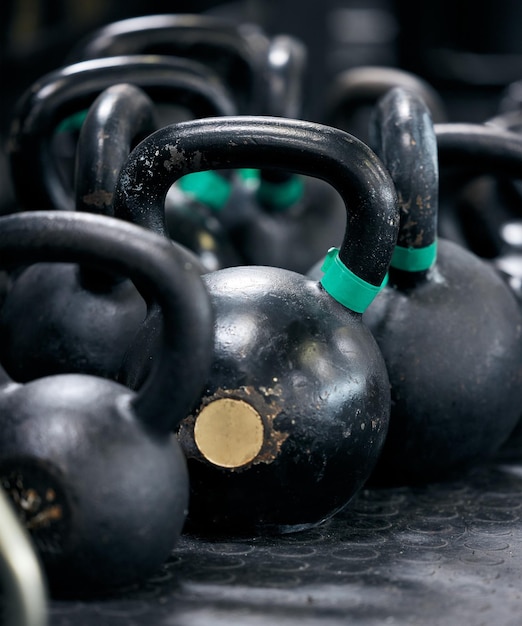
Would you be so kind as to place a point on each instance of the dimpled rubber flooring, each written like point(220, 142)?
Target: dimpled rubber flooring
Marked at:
point(448, 553)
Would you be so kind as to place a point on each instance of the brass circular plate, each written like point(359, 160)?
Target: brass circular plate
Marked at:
point(229, 432)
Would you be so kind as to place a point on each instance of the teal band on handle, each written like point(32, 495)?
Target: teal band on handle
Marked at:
point(206, 187)
point(414, 259)
point(73, 122)
point(249, 177)
point(280, 196)
point(344, 286)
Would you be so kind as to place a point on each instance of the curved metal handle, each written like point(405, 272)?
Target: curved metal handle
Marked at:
point(23, 580)
point(402, 134)
point(308, 148)
point(119, 118)
point(480, 148)
point(236, 52)
point(70, 89)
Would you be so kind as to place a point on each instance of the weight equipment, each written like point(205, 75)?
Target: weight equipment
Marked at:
point(87, 340)
point(70, 442)
point(447, 324)
point(235, 52)
point(86, 319)
point(296, 406)
point(56, 97)
point(490, 213)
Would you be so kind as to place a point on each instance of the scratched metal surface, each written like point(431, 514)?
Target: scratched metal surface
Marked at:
point(448, 553)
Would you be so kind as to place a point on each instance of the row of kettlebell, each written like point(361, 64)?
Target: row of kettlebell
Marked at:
point(284, 416)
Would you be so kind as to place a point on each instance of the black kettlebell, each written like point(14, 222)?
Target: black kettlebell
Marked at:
point(58, 97)
point(235, 52)
point(448, 326)
point(295, 408)
point(86, 319)
point(92, 467)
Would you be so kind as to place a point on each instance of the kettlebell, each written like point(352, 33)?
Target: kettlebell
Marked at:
point(295, 408)
point(448, 326)
point(235, 52)
point(92, 467)
point(54, 100)
point(86, 318)
point(59, 100)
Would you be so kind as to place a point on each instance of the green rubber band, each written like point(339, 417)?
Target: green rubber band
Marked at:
point(414, 259)
point(344, 286)
point(248, 174)
point(206, 187)
point(280, 196)
point(73, 122)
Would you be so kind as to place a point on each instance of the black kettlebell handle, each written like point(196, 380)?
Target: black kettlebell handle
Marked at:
point(402, 134)
point(148, 259)
point(119, 118)
point(68, 90)
point(308, 148)
point(480, 148)
point(206, 38)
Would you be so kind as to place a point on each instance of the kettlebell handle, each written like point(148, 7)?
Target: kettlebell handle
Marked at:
point(481, 148)
point(61, 93)
point(119, 118)
point(206, 38)
point(307, 148)
point(148, 259)
point(402, 134)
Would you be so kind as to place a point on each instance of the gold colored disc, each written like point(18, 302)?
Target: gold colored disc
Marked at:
point(229, 432)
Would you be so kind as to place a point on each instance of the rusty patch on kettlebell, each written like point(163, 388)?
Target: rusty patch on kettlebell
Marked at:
point(39, 504)
point(250, 413)
point(99, 198)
